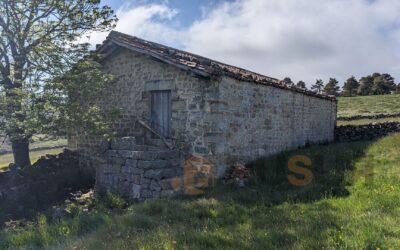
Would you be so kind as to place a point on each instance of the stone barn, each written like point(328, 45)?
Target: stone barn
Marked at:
point(178, 107)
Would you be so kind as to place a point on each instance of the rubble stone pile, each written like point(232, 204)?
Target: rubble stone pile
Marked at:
point(238, 174)
point(25, 191)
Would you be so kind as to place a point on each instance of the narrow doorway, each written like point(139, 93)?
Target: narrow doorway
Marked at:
point(160, 116)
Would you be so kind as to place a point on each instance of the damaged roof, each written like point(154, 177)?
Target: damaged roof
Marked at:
point(194, 63)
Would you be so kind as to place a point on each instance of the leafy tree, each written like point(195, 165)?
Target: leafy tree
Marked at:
point(365, 87)
point(287, 81)
point(72, 99)
point(383, 84)
point(350, 87)
point(301, 84)
point(39, 40)
point(318, 86)
point(332, 88)
point(398, 89)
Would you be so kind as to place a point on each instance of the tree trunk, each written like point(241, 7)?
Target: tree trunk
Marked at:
point(21, 152)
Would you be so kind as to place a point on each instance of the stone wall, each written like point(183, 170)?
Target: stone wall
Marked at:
point(365, 132)
point(224, 120)
point(138, 173)
point(249, 121)
point(136, 76)
point(362, 117)
point(25, 192)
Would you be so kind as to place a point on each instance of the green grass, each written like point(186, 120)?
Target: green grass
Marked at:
point(352, 203)
point(368, 105)
point(6, 159)
point(367, 121)
point(39, 141)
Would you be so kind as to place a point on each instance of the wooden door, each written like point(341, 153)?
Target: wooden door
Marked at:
point(160, 117)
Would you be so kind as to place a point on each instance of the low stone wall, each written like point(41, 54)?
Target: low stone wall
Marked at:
point(361, 117)
point(365, 132)
point(26, 191)
point(5, 151)
point(138, 171)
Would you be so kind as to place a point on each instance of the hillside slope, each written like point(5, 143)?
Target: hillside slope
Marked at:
point(368, 105)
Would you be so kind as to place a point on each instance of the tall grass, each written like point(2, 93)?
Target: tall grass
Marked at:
point(352, 203)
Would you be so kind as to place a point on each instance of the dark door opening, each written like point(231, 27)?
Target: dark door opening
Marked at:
point(160, 116)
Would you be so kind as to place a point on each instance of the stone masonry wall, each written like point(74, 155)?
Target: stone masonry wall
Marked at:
point(249, 121)
point(224, 120)
point(136, 173)
point(131, 95)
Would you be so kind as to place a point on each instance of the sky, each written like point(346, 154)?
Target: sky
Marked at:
point(301, 39)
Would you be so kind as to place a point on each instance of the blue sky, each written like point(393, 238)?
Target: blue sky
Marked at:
point(302, 39)
point(189, 10)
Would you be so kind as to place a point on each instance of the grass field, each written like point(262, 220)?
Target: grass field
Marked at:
point(38, 142)
point(352, 203)
point(6, 159)
point(368, 105)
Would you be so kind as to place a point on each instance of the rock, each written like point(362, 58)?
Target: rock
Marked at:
point(124, 143)
point(131, 163)
point(237, 174)
point(153, 174)
point(154, 186)
point(13, 167)
point(135, 191)
point(154, 164)
point(166, 193)
point(165, 183)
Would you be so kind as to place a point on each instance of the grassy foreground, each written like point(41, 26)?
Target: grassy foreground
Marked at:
point(368, 105)
point(352, 203)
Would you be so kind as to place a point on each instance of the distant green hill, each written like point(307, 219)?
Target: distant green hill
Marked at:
point(368, 105)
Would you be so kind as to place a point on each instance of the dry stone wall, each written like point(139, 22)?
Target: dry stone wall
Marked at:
point(361, 117)
point(365, 132)
point(137, 172)
point(26, 191)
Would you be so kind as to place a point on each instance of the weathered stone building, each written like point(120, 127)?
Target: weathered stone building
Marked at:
point(199, 107)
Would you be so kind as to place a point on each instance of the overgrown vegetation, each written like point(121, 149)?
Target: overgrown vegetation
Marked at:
point(353, 202)
point(368, 105)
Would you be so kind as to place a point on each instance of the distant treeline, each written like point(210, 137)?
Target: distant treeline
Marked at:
point(375, 84)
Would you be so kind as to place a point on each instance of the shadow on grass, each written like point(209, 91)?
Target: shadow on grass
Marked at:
point(332, 168)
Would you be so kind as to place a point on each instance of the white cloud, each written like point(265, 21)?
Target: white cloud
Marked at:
point(145, 21)
point(303, 39)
